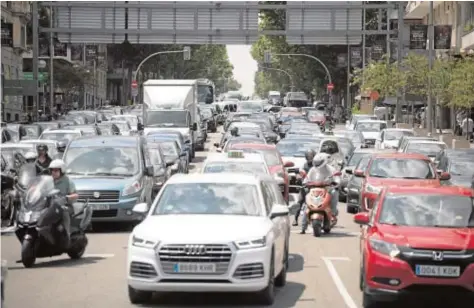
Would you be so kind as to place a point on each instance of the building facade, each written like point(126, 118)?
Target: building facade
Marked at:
point(15, 16)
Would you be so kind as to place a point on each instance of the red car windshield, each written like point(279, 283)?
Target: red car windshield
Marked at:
point(421, 210)
point(401, 168)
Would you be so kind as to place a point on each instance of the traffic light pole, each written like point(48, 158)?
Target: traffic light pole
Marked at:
point(282, 71)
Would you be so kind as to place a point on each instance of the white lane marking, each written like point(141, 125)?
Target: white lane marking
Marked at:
point(99, 255)
point(350, 303)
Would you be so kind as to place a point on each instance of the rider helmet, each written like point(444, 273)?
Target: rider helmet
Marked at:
point(42, 147)
point(30, 157)
point(309, 154)
point(58, 164)
point(319, 160)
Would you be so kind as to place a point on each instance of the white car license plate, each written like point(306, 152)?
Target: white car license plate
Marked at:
point(438, 271)
point(201, 268)
point(100, 207)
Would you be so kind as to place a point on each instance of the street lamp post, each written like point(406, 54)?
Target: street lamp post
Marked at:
point(282, 71)
point(187, 54)
point(314, 58)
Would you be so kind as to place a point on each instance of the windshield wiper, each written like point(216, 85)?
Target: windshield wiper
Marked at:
point(377, 176)
point(413, 178)
point(110, 174)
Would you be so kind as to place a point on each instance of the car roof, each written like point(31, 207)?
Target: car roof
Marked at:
point(419, 138)
point(223, 157)
point(63, 131)
point(401, 156)
point(123, 141)
point(255, 146)
point(127, 115)
point(22, 145)
point(371, 121)
point(244, 124)
point(391, 129)
point(367, 150)
point(427, 141)
point(225, 177)
point(442, 190)
point(39, 141)
point(116, 122)
point(460, 152)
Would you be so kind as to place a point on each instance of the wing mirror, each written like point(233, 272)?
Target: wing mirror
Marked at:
point(445, 176)
point(149, 171)
point(349, 171)
point(140, 126)
point(183, 154)
point(140, 208)
point(359, 173)
point(216, 144)
point(194, 127)
point(361, 218)
point(279, 211)
point(187, 142)
point(169, 164)
point(289, 164)
point(174, 167)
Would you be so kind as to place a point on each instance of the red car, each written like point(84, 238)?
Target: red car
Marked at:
point(418, 241)
point(396, 169)
point(317, 117)
point(273, 160)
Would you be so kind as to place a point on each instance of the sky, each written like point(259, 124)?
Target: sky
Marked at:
point(244, 66)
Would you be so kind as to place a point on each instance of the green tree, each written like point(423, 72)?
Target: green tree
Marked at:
point(233, 85)
point(415, 72)
point(461, 85)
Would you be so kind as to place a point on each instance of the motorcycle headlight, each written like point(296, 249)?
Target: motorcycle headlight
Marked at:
point(373, 189)
point(131, 189)
point(142, 242)
point(251, 243)
point(383, 247)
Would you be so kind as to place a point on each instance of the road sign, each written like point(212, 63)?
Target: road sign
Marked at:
point(374, 95)
point(187, 53)
point(330, 86)
point(134, 84)
point(267, 57)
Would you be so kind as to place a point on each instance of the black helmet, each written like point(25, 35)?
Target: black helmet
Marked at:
point(309, 155)
point(42, 147)
point(234, 131)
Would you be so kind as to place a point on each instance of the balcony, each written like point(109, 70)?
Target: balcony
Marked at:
point(419, 9)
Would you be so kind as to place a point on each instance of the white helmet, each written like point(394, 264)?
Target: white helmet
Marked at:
point(58, 164)
point(320, 160)
point(31, 155)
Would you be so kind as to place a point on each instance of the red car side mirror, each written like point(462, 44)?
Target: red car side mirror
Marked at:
point(289, 164)
point(359, 173)
point(361, 218)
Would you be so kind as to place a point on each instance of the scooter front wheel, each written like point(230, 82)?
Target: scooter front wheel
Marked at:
point(316, 224)
point(28, 253)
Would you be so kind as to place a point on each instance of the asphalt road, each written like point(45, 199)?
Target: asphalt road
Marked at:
point(323, 273)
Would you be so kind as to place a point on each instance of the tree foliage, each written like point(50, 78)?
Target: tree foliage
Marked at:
point(452, 81)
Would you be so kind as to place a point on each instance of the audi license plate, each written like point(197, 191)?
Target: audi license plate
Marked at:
point(100, 207)
point(200, 268)
point(438, 271)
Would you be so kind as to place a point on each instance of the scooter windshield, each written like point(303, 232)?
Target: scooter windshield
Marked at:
point(38, 190)
point(27, 175)
point(321, 175)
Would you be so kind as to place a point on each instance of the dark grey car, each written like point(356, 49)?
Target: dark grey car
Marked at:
point(354, 186)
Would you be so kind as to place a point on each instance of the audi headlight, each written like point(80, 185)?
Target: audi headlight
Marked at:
point(143, 243)
point(373, 189)
point(251, 243)
point(383, 247)
point(131, 189)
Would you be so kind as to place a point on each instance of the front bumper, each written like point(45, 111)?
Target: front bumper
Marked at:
point(164, 282)
point(117, 212)
point(380, 269)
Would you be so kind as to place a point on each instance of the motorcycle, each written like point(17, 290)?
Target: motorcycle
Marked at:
point(318, 204)
point(40, 227)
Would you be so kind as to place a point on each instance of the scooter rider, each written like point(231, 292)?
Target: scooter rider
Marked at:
point(309, 155)
point(43, 159)
point(321, 169)
point(67, 189)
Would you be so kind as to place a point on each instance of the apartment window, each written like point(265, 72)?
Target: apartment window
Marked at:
point(17, 117)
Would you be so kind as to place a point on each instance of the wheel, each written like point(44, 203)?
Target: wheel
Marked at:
point(351, 209)
point(139, 297)
point(280, 280)
point(368, 301)
point(316, 224)
point(77, 249)
point(327, 230)
point(266, 297)
point(28, 253)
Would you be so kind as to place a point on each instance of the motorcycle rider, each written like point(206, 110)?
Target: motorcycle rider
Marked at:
point(309, 155)
point(30, 157)
point(321, 167)
point(67, 190)
point(43, 159)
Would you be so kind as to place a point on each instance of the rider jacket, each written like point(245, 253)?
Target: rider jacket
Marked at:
point(43, 165)
point(323, 173)
point(307, 166)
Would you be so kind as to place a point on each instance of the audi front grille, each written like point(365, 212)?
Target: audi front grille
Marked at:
point(171, 254)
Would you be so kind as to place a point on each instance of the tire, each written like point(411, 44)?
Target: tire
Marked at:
point(78, 251)
point(368, 301)
point(266, 297)
point(28, 253)
point(139, 297)
point(316, 224)
point(327, 230)
point(351, 209)
point(280, 280)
